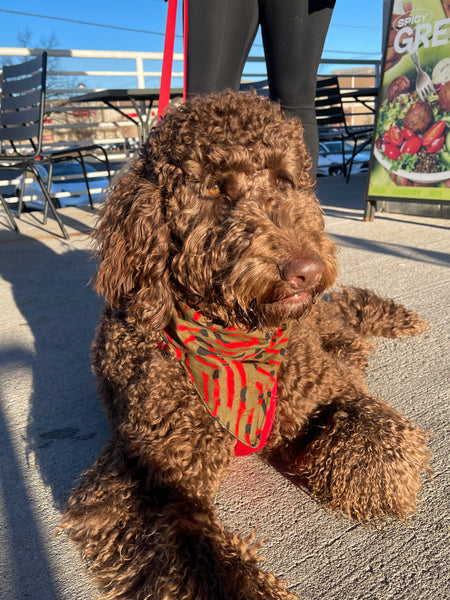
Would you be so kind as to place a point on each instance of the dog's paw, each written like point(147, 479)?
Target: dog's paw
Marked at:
point(365, 460)
point(372, 315)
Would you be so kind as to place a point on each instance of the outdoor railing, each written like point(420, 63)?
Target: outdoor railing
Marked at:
point(77, 71)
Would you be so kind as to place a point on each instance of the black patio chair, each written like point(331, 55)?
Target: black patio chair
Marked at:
point(332, 123)
point(22, 107)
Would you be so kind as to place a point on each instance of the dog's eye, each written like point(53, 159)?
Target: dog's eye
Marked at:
point(282, 183)
point(214, 189)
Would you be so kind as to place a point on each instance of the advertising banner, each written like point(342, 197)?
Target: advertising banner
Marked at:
point(411, 146)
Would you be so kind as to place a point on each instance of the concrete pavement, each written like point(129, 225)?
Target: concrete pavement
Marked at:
point(52, 427)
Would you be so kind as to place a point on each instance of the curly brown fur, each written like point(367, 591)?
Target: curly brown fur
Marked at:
point(218, 211)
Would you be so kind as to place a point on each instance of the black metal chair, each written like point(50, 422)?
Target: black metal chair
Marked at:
point(22, 107)
point(332, 123)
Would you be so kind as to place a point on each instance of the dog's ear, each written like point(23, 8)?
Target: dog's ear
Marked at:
point(133, 241)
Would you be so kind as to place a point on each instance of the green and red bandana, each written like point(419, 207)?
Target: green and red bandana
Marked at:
point(234, 371)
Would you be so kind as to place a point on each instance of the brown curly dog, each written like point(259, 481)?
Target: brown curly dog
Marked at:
point(217, 340)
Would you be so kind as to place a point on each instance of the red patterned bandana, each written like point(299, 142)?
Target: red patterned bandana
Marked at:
point(234, 371)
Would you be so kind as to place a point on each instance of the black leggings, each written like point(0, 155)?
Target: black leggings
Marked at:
point(221, 34)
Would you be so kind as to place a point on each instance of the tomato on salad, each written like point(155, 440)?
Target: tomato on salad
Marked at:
point(412, 145)
point(394, 135)
point(433, 133)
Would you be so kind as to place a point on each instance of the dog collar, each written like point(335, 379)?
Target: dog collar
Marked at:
point(233, 371)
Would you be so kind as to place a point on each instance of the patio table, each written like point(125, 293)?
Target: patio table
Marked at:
point(142, 100)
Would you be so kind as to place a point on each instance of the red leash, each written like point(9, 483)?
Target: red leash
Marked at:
point(169, 42)
point(185, 37)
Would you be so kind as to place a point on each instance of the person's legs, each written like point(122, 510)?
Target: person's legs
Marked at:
point(294, 33)
point(220, 35)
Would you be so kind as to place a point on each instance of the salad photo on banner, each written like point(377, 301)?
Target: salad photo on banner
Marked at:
point(411, 146)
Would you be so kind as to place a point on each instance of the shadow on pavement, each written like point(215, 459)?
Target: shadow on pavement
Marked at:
point(62, 425)
point(409, 252)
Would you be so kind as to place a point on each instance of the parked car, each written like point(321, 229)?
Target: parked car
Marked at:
point(324, 165)
point(68, 185)
point(330, 158)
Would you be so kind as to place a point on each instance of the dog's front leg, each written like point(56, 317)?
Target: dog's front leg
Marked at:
point(359, 456)
point(147, 539)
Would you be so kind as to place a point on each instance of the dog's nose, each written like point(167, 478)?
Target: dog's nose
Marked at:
point(303, 272)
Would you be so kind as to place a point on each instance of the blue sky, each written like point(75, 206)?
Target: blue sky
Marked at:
point(355, 31)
